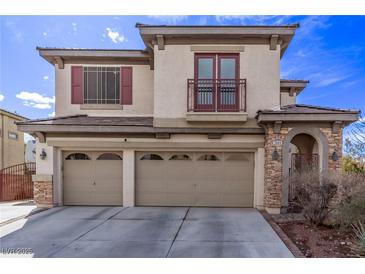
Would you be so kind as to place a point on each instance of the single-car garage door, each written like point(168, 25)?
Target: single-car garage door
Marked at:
point(93, 178)
point(195, 179)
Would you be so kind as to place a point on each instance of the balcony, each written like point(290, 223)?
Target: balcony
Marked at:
point(216, 100)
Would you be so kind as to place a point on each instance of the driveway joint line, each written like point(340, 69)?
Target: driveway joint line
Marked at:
point(177, 233)
point(91, 229)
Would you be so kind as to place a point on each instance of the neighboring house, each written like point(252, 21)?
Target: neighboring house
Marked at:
point(12, 140)
point(30, 150)
point(198, 118)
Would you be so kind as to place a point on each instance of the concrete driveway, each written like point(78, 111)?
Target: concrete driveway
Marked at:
point(144, 232)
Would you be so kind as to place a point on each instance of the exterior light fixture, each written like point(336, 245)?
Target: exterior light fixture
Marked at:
point(334, 156)
point(275, 155)
point(43, 154)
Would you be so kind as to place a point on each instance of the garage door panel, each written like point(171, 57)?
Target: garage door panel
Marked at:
point(237, 200)
point(97, 180)
point(195, 179)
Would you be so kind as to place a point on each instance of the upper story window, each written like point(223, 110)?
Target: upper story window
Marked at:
point(13, 135)
point(101, 85)
point(216, 85)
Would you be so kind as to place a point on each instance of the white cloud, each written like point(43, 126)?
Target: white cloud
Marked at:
point(2, 97)
point(52, 114)
point(45, 77)
point(169, 19)
point(74, 27)
point(330, 79)
point(35, 100)
point(44, 33)
point(115, 36)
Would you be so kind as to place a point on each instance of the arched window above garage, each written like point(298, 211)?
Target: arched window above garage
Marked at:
point(208, 157)
point(109, 156)
point(151, 156)
point(78, 156)
point(180, 157)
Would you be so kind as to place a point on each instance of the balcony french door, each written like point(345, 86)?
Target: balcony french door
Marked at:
point(216, 82)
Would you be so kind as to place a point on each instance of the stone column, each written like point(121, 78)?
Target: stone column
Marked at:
point(128, 177)
point(334, 145)
point(274, 170)
point(43, 190)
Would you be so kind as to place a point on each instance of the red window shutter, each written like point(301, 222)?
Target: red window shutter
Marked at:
point(76, 85)
point(126, 79)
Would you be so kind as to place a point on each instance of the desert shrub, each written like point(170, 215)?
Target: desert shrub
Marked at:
point(359, 230)
point(351, 199)
point(351, 165)
point(351, 211)
point(313, 193)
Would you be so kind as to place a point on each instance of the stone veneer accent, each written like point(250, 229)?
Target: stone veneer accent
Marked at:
point(43, 193)
point(274, 168)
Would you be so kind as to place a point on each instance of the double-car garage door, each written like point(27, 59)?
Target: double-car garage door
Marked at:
point(194, 179)
point(161, 179)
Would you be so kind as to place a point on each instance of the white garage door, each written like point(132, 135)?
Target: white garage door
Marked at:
point(194, 179)
point(93, 178)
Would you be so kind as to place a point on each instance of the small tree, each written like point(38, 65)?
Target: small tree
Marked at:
point(350, 165)
point(313, 193)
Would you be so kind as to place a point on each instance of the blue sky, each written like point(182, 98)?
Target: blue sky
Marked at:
point(327, 50)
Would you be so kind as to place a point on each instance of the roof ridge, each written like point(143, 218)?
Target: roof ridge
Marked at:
point(13, 113)
point(294, 25)
point(321, 108)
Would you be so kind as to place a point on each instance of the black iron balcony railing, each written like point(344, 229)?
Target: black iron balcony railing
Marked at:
point(216, 95)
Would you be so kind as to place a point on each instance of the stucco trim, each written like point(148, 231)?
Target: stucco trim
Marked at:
point(132, 129)
point(100, 106)
point(42, 178)
point(305, 117)
point(214, 48)
point(323, 149)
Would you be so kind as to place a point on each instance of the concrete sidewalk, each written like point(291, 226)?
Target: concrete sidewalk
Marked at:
point(12, 211)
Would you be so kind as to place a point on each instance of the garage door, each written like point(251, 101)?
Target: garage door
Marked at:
point(93, 178)
point(194, 179)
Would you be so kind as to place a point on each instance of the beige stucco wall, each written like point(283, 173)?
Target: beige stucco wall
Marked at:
point(285, 99)
point(175, 64)
point(46, 166)
point(11, 150)
point(142, 94)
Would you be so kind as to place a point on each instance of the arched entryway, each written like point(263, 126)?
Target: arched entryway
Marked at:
point(303, 153)
point(303, 148)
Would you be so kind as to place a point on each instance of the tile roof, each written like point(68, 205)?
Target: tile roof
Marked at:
point(307, 109)
point(84, 120)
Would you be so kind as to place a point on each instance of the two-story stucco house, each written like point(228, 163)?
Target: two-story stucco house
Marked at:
point(11, 140)
point(198, 118)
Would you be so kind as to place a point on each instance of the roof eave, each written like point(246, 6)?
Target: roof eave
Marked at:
point(347, 117)
point(51, 54)
point(286, 33)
